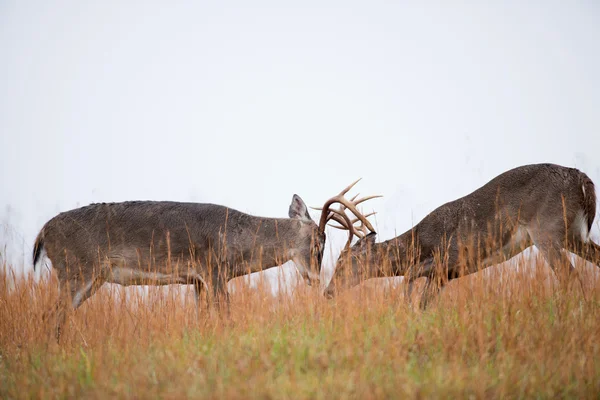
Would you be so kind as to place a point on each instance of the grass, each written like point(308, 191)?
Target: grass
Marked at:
point(485, 337)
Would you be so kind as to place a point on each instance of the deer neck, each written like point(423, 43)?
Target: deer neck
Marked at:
point(398, 253)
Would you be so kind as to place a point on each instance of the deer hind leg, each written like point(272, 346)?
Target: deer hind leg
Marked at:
point(75, 287)
point(587, 250)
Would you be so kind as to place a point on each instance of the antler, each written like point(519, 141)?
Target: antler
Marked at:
point(340, 216)
point(362, 229)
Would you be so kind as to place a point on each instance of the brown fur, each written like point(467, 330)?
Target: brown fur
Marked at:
point(184, 243)
point(540, 202)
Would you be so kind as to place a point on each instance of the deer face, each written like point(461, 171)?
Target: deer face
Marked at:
point(353, 265)
point(317, 247)
point(310, 242)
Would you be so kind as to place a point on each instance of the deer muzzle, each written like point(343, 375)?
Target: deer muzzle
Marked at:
point(329, 292)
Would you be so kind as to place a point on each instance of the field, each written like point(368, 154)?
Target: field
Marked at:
point(501, 333)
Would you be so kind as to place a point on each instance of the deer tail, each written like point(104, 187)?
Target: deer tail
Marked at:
point(38, 247)
point(589, 199)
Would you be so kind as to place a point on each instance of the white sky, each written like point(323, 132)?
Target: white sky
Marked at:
point(243, 105)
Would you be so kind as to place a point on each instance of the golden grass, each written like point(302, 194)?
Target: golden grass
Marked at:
point(485, 337)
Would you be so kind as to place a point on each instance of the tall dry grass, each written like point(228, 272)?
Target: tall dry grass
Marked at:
point(501, 333)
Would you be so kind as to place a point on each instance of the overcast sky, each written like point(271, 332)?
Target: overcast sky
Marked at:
point(246, 103)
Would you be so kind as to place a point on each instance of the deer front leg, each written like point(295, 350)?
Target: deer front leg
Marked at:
point(424, 268)
point(431, 291)
point(199, 287)
point(218, 296)
point(409, 286)
point(437, 275)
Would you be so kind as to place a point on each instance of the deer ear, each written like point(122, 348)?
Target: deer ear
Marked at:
point(298, 209)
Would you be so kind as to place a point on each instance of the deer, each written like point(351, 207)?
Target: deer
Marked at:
point(167, 242)
point(549, 206)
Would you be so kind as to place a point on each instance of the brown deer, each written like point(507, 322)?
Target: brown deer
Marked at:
point(546, 205)
point(163, 242)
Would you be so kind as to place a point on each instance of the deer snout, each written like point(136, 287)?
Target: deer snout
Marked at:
point(329, 292)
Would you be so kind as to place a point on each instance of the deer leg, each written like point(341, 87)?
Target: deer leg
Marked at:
point(548, 240)
point(440, 272)
point(199, 287)
point(74, 291)
point(60, 309)
point(219, 294)
point(421, 269)
point(557, 259)
point(571, 271)
point(426, 268)
point(431, 291)
point(437, 280)
point(589, 250)
point(409, 286)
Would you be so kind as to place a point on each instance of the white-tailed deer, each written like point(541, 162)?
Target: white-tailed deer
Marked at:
point(546, 205)
point(162, 242)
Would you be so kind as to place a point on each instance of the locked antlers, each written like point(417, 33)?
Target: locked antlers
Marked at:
point(339, 215)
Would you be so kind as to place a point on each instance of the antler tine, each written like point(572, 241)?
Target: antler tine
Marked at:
point(352, 232)
point(352, 207)
point(346, 224)
point(357, 202)
point(343, 222)
point(361, 231)
point(339, 215)
point(342, 228)
point(355, 220)
point(343, 206)
point(341, 194)
point(340, 211)
point(362, 228)
point(342, 218)
point(350, 186)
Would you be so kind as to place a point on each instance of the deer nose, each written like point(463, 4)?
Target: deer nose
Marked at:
point(329, 292)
